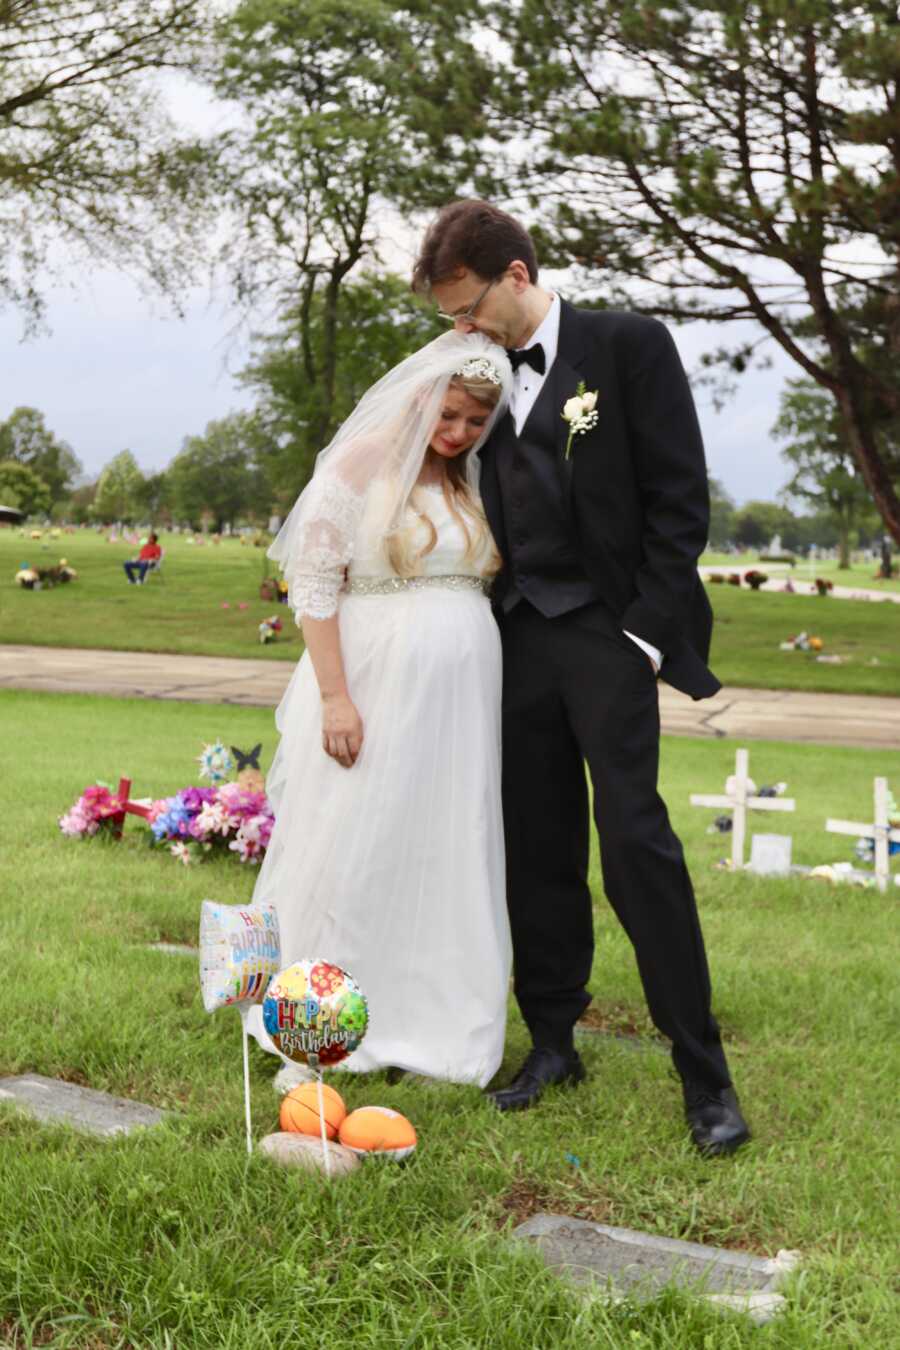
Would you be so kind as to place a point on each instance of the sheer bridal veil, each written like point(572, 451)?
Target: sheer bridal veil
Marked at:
point(373, 462)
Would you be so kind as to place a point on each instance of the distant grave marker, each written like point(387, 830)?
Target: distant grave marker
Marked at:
point(740, 799)
point(54, 1102)
point(630, 1264)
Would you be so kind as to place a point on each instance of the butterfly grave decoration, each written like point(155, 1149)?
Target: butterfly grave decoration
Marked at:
point(249, 774)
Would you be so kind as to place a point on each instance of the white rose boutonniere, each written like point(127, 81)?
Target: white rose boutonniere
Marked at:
point(580, 412)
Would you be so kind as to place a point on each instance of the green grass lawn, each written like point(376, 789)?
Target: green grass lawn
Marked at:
point(175, 1239)
point(182, 612)
point(750, 625)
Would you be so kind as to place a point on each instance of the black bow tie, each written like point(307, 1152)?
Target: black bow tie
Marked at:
point(529, 356)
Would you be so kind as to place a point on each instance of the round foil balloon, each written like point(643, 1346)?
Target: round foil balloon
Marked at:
point(315, 1013)
point(239, 953)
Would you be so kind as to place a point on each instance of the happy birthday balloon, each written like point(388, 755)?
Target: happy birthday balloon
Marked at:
point(240, 951)
point(316, 1013)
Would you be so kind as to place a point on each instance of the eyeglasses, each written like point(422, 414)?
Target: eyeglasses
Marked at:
point(469, 314)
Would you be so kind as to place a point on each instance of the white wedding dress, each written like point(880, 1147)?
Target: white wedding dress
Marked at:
point(394, 869)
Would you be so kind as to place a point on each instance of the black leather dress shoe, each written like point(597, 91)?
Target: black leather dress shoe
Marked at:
point(715, 1120)
point(542, 1069)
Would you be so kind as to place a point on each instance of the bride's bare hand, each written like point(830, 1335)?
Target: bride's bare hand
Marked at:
point(342, 730)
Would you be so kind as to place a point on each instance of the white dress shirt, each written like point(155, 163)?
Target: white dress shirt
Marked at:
point(527, 384)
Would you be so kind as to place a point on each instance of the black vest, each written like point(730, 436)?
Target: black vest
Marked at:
point(542, 563)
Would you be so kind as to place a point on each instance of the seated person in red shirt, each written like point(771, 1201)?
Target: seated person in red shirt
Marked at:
point(150, 553)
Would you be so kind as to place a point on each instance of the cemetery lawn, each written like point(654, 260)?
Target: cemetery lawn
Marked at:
point(181, 611)
point(174, 1238)
point(750, 625)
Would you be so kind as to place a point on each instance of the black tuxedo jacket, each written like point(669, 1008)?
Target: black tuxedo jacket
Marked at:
point(635, 486)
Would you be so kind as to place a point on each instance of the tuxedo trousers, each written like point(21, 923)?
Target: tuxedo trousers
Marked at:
point(576, 691)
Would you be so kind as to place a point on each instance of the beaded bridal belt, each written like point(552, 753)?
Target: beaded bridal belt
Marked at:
point(388, 585)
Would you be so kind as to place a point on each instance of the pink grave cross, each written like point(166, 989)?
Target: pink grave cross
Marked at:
point(128, 808)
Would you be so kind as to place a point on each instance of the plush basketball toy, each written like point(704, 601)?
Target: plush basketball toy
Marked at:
point(300, 1110)
point(378, 1129)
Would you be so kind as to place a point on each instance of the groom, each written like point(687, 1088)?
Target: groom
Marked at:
point(600, 525)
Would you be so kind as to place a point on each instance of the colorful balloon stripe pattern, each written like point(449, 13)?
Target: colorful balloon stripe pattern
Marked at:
point(315, 1013)
point(240, 951)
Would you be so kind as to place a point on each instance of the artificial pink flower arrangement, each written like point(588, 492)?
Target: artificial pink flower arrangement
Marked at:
point(225, 818)
point(94, 811)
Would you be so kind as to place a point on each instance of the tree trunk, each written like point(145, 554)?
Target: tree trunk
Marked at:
point(328, 373)
point(871, 465)
point(843, 545)
point(309, 365)
point(849, 390)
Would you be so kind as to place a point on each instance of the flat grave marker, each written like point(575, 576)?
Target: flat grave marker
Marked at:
point(625, 1263)
point(629, 1040)
point(55, 1102)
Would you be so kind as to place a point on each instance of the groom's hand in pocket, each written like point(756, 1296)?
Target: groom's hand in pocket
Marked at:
point(653, 654)
point(342, 729)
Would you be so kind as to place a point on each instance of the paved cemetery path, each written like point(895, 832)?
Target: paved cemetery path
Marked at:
point(773, 714)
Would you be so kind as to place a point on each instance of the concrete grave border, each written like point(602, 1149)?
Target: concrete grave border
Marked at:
point(760, 1304)
point(53, 1101)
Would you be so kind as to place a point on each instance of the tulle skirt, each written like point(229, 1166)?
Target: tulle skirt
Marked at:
point(394, 869)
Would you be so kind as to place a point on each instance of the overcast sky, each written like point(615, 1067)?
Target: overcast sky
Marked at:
point(117, 371)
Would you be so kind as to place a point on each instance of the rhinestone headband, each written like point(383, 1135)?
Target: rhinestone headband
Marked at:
point(479, 368)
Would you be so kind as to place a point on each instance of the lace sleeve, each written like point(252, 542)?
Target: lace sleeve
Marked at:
point(323, 548)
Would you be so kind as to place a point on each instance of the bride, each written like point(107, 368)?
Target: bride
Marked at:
point(387, 855)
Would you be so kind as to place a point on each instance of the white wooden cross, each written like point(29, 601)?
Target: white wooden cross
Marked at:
point(880, 831)
point(739, 803)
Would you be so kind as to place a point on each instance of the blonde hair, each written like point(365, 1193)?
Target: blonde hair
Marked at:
point(403, 556)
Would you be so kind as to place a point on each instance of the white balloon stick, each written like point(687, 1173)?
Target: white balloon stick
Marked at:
point(325, 1148)
point(244, 1011)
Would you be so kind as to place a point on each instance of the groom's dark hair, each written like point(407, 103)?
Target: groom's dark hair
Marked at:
point(476, 235)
